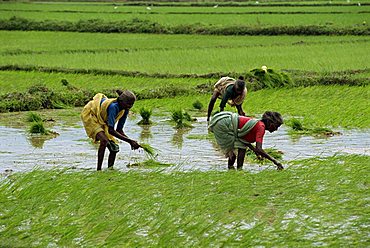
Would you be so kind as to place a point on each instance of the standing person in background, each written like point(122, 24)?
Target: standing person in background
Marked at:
point(230, 91)
point(238, 132)
point(100, 116)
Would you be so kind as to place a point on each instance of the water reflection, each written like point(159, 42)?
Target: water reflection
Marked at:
point(145, 134)
point(178, 137)
point(38, 140)
point(189, 148)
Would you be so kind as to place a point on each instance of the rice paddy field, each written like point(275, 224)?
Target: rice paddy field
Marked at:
point(54, 56)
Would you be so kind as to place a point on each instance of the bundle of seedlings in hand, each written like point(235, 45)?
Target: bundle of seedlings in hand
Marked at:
point(149, 150)
point(145, 115)
point(252, 157)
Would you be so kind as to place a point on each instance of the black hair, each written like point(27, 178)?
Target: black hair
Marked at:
point(270, 117)
point(119, 92)
point(240, 83)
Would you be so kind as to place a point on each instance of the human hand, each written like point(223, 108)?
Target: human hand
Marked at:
point(242, 113)
point(279, 166)
point(134, 145)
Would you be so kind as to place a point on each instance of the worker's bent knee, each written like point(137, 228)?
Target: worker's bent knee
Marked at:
point(104, 143)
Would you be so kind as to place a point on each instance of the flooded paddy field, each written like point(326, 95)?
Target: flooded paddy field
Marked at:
point(186, 149)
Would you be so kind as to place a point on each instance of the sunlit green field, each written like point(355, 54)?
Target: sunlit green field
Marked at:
point(320, 201)
point(179, 54)
point(253, 15)
point(316, 202)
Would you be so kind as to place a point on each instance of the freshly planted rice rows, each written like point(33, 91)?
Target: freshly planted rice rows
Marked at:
point(260, 20)
point(315, 57)
point(54, 42)
point(121, 7)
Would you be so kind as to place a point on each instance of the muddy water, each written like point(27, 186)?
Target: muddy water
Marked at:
point(20, 151)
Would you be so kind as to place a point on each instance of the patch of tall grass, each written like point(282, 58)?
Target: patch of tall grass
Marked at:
point(299, 206)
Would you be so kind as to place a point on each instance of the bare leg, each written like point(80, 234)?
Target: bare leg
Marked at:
point(111, 159)
point(103, 144)
point(241, 155)
point(230, 163)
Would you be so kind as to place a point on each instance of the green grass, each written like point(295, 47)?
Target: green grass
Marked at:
point(315, 201)
point(226, 19)
point(11, 81)
point(178, 15)
point(70, 42)
point(34, 117)
point(318, 57)
point(109, 8)
point(318, 106)
point(38, 128)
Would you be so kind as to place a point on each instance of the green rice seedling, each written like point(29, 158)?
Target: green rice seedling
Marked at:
point(197, 105)
point(180, 117)
point(33, 117)
point(296, 124)
point(323, 131)
point(299, 129)
point(145, 115)
point(38, 127)
point(149, 150)
point(300, 200)
point(273, 152)
point(64, 82)
point(150, 163)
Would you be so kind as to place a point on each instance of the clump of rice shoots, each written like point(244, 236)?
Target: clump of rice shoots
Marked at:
point(149, 151)
point(180, 117)
point(197, 105)
point(275, 153)
point(37, 127)
point(149, 163)
point(268, 78)
point(299, 129)
point(33, 117)
point(296, 124)
point(145, 115)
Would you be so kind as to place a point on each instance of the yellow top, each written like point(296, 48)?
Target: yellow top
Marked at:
point(95, 115)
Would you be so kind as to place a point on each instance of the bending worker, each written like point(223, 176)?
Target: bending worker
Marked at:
point(230, 91)
point(99, 117)
point(238, 132)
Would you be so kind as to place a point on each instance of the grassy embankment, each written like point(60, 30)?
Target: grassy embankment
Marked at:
point(314, 202)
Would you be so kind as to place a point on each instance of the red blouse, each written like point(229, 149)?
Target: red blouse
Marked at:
point(257, 132)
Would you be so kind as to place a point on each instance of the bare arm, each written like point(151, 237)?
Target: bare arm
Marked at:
point(122, 136)
point(240, 110)
point(212, 103)
point(259, 151)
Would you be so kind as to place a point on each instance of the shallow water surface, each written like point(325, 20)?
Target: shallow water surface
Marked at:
point(20, 151)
